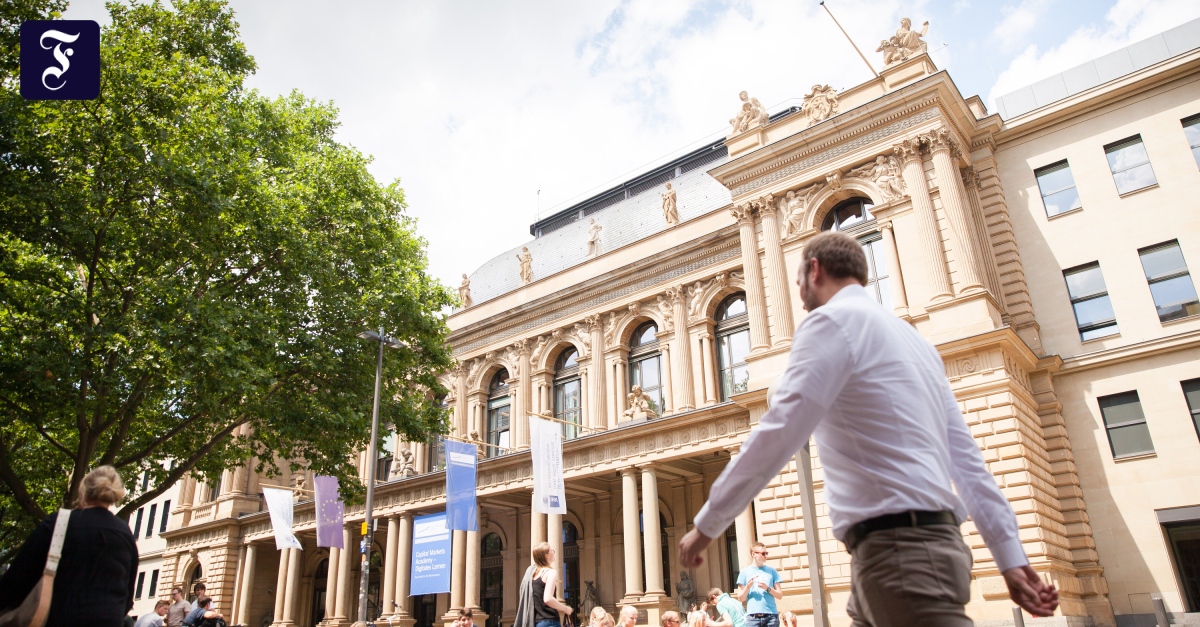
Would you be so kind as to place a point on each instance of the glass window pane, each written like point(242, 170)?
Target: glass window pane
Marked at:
point(739, 346)
point(1196, 155)
point(1119, 408)
point(649, 371)
point(1062, 202)
point(1163, 261)
point(1099, 332)
point(1126, 155)
point(1130, 440)
point(1191, 391)
point(740, 379)
point(1093, 311)
point(1085, 282)
point(1134, 179)
point(879, 258)
point(885, 292)
point(1174, 298)
point(735, 306)
point(1192, 133)
point(1055, 179)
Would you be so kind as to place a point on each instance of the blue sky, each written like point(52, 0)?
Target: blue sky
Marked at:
point(477, 105)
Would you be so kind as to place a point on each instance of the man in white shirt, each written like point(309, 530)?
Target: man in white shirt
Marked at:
point(155, 618)
point(873, 393)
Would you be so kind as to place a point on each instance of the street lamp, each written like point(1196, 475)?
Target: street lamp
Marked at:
point(390, 342)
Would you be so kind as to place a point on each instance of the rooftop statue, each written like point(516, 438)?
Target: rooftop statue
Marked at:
point(905, 44)
point(750, 115)
point(526, 259)
point(464, 292)
point(670, 212)
point(593, 243)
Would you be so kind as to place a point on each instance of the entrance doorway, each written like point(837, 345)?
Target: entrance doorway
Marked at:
point(570, 537)
point(320, 585)
point(425, 610)
point(1185, 549)
point(491, 578)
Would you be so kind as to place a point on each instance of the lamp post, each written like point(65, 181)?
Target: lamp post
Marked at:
point(365, 545)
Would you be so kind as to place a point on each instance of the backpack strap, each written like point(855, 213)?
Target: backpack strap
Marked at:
point(56, 542)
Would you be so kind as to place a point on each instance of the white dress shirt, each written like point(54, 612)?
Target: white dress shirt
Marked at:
point(873, 393)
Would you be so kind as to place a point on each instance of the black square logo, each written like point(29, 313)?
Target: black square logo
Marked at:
point(60, 59)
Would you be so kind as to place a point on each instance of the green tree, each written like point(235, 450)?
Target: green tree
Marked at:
point(184, 267)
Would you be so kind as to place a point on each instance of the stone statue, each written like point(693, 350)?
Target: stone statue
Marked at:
point(668, 312)
point(750, 115)
point(464, 292)
point(593, 243)
point(884, 171)
point(405, 466)
point(905, 44)
point(480, 447)
point(794, 204)
point(590, 600)
point(668, 206)
point(526, 259)
point(640, 405)
point(819, 104)
point(685, 593)
point(299, 482)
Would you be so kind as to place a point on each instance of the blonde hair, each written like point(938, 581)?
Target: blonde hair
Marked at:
point(598, 614)
point(696, 618)
point(101, 486)
point(607, 621)
point(539, 554)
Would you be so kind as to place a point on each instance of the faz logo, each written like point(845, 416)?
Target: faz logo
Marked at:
point(60, 59)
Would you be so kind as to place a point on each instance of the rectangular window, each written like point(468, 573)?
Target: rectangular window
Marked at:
point(1089, 298)
point(1191, 131)
point(137, 522)
point(1058, 188)
point(437, 454)
point(1130, 165)
point(137, 593)
point(153, 583)
point(878, 283)
point(1170, 283)
point(145, 480)
point(1128, 433)
point(499, 413)
point(1191, 392)
point(162, 525)
point(150, 520)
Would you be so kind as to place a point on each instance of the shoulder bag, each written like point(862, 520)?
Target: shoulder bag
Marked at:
point(32, 612)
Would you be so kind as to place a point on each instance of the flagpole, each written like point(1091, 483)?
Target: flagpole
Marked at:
point(469, 441)
point(565, 422)
point(284, 487)
point(860, 54)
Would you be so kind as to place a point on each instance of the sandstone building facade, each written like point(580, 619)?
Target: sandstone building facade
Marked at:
point(1043, 249)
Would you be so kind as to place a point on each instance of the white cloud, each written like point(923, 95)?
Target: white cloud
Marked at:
point(1019, 21)
point(1128, 21)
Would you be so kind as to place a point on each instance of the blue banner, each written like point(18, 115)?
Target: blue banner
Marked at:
point(430, 555)
point(460, 486)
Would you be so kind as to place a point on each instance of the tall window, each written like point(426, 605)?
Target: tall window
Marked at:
point(137, 522)
point(1089, 298)
point(153, 583)
point(1128, 434)
point(847, 214)
point(162, 525)
point(1058, 188)
point(437, 454)
point(878, 280)
point(733, 345)
point(645, 365)
point(1170, 283)
point(150, 519)
point(383, 457)
point(1191, 392)
point(1191, 131)
point(499, 414)
point(570, 561)
point(137, 594)
point(566, 392)
point(1130, 165)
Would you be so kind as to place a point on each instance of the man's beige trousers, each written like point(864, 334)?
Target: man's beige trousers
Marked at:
point(911, 577)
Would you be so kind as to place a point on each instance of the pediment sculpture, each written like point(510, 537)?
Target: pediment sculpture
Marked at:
point(794, 204)
point(905, 44)
point(751, 114)
point(819, 104)
point(884, 171)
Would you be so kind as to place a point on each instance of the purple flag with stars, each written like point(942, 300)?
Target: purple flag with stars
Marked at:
point(330, 511)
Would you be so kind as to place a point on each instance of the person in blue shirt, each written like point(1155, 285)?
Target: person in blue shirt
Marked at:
point(731, 613)
point(758, 587)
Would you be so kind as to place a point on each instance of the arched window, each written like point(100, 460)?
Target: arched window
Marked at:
point(847, 214)
point(499, 413)
point(733, 345)
point(645, 364)
point(567, 393)
point(320, 585)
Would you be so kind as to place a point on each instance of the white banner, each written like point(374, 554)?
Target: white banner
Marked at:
point(279, 503)
point(545, 445)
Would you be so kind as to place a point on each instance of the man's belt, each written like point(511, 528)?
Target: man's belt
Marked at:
point(911, 518)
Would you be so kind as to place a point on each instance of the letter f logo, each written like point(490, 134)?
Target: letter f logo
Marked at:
point(60, 59)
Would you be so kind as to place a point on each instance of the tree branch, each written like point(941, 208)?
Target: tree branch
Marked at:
point(19, 491)
point(159, 441)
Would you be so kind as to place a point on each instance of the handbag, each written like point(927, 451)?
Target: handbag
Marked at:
point(32, 612)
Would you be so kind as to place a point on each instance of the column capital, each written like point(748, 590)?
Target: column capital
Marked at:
point(743, 213)
point(629, 471)
point(908, 150)
point(885, 226)
point(940, 140)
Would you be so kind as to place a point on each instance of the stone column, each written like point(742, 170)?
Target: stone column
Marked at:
point(281, 585)
point(971, 187)
point(782, 326)
point(404, 564)
point(632, 535)
point(685, 386)
point(537, 528)
point(667, 378)
point(293, 587)
point(597, 391)
point(653, 530)
point(458, 563)
point(387, 594)
point(899, 296)
point(342, 610)
point(756, 304)
point(709, 358)
point(554, 527)
point(243, 616)
point(931, 242)
point(331, 583)
point(955, 205)
point(744, 529)
point(471, 580)
point(519, 419)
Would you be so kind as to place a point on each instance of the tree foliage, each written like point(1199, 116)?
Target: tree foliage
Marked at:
point(182, 257)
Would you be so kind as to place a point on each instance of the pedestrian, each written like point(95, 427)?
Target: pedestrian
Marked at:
point(894, 450)
point(205, 615)
point(758, 587)
point(95, 580)
point(596, 618)
point(198, 591)
point(537, 605)
point(628, 616)
point(465, 617)
point(730, 613)
point(154, 618)
point(670, 618)
point(179, 608)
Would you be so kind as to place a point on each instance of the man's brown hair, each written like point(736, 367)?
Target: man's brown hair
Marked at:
point(203, 601)
point(839, 254)
point(162, 603)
